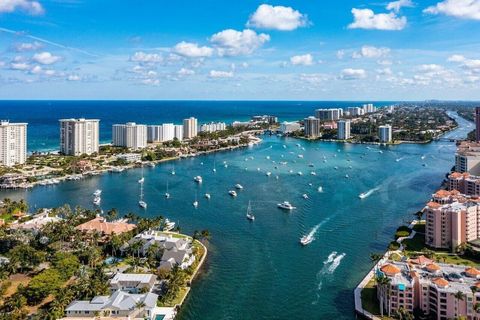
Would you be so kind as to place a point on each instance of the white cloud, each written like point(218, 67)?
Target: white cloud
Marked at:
point(464, 9)
point(74, 77)
point(36, 70)
point(428, 68)
point(19, 66)
point(302, 60)
point(192, 50)
point(277, 17)
point(385, 62)
point(340, 54)
point(313, 78)
point(185, 72)
point(371, 52)
point(233, 43)
point(143, 57)
point(29, 6)
point(352, 74)
point(367, 19)
point(397, 5)
point(45, 58)
point(28, 46)
point(151, 82)
point(220, 74)
point(470, 65)
point(385, 71)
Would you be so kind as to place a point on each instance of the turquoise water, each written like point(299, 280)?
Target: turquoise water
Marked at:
point(258, 270)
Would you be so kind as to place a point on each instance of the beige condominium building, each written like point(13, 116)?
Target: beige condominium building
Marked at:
point(190, 128)
point(13, 143)
point(79, 136)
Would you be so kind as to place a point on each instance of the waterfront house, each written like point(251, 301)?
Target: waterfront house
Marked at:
point(133, 282)
point(119, 305)
point(101, 225)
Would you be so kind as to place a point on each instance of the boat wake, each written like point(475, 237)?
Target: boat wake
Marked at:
point(331, 264)
point(399, 159)
point(367, 194)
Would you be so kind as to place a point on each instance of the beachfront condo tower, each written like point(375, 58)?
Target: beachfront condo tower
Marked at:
point(13, 143)
point(79, 136)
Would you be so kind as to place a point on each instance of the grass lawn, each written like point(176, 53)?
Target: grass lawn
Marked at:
point(419, 227)
point(417, 243)
point(395, 257)
point(179, 298)
point(455, 259)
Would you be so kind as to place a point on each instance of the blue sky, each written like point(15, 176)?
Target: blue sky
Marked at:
point(211, 49)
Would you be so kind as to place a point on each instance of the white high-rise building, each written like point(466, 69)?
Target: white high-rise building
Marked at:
point(13, 143)
point(213, 126)
point(289, 127)
point(79, 136)
point(312, 127)
point(190, 128)
point(130, 135)
point(179, 132)
point(168, 131)
point(154, 133)
point(385, 133)
point(343, 129)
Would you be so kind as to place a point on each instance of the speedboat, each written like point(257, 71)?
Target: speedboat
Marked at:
point(97, 201)
point(268, 174)
point(198, 179)
point(167, 195)
point(286, 205)
point(320, 189)
point(173, 172)
point(250, 215)
point(232, 193)
point(142, 180)
point(305, 196)
point(300, 156)
point(207, 195)
point(238, 186)
point(311, 165)
point(97, 193)
point(300, 173)
point(313, 173)
point(346, 176)
point(195, 203)
point(363, 195)
point(142, 204)
point(267, 157)
point(305, 240)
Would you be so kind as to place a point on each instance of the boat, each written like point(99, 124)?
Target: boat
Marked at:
point(363, 195)
point(284, 147)
point(168, 225)
point(238, 186)
point(300, 156)
point(336, 168)
point(117, 169)
point(97, 193)
point(198, 179)
point(305, 196)
point(320, 189)
point(305, 240)
point(97, 200)
point(267, 157)
point(311, 165)
point(173, 170)
point(142, 180)
point(214, 167)
point(250, 215)
point(142, 204)
point(268, 173)
point(208, 196)
point(225, 165)
point(346, 176)
point(286, 205)
point(232, 193)
point(313, 173)
point(167, 194)
point(300, 173)
point(195, 203)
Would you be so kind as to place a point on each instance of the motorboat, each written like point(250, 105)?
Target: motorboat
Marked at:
point(168, 225)
point(305, 240)
point(97, 193)
point(198, 179)
point(142, 204)
point(238, 186)
point(97, 200)
point(195, 204)
point(167, 195)
point(250, 215)
point(232, 193)
point(320, 189)
point(208, 196)
point(286, 205)
point(313, 173)
point(305, 196)
point(268, 174)
point(142, 180)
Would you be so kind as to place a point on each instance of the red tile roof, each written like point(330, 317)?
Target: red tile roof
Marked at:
point(101, 225)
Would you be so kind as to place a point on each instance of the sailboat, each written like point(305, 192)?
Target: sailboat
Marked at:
point(250, 215)
point(214, 167)
point(142, 179)
point(167, 194)
point(173, 170)
point(141, 202)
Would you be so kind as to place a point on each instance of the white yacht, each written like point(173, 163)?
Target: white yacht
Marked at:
point(250, 215)
point(238, 186)
point(97, 193)
point(142, 180)
point(305, 196)
point(142, 204)
point(168, 225)
point(97, 200)
point(208, 196)
point(198, 179)
point(300, 156)
point(347, 176)
point(173, 170)
point(214, 167)
point(320, 189)
point(232, 193)
point(363, 195)
point(286, 205)
point(300, 173)
point(195, 204)
point(167, 194)
point(268, 174)
point(313, 173)
point(305, 240)
point(267, 157)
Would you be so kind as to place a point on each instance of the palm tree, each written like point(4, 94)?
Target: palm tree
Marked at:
point(382, 282)
point(459, 295)
point(375, 257)
point(112, 214)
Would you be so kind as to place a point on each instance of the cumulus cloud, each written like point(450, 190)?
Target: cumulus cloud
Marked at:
point(231, 42)
point(371, 52)
point(340, 54)
point(463, 9)
point(150, 82)
point(353, 74)
point(185, 72)
point(19, 66)
point(277, 17)
point(470, 65)
point(367, 19)
point(397, 5)
point(384, 71)
point(220, 74)
point(148, 58)
point(28, 6)
point(28, 46)
point(73, 77)
point(45, 58)
point(192, 50)
point(302, 60)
